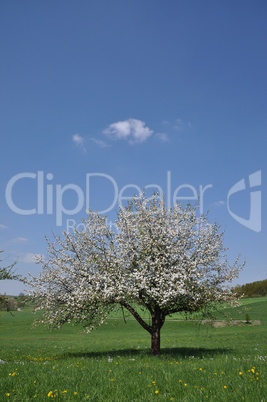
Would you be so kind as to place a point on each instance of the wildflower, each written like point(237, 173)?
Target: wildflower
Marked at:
point(200, 369)
point(185, 385)
point(224, 386)
point(180, 380)
point(75, 393)
point(240, 373)
point(156, 392)
point(7, 394)
point(64, 391)
point(49, 394)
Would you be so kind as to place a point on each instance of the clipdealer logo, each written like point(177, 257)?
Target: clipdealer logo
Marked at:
point(50, 196)
point(254, 220)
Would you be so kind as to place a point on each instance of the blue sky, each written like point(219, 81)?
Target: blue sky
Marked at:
point(170, 93)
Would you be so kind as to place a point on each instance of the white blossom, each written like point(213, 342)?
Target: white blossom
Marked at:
point(164, 260)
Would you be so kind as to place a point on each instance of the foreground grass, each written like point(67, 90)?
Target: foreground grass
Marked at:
point(114, 364)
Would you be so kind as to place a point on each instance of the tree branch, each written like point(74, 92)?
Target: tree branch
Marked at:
point(137, 316)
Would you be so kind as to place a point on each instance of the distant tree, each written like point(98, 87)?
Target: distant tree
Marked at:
point(164, 260)
point(7, 273)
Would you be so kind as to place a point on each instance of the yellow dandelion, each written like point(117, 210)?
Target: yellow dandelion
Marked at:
point(156, 392)
point(240, 373)
point(185, 385)
point(224, 386)
point(200, 369)
point(75, 393)
point(50, 393)
point(7, 394)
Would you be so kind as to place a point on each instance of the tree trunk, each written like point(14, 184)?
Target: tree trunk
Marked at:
point(158, 319)
point(155, 342)
point(157, 322)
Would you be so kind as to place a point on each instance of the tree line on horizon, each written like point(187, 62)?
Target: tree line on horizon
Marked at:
point(253, 289)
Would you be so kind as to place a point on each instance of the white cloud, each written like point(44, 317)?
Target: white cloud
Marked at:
point(133, 130)
point(79, 141)
point(163, 137)
point(29, 258)
point(3, 226)
point(220, 203)
point(21, 239)
point(100, 143)
point(181, 125)
point(165, 123)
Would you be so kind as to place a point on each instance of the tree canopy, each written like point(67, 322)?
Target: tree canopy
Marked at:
point(7, 272)
point(164, 260)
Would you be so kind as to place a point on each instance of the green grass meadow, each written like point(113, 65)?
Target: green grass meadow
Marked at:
point(198, 362)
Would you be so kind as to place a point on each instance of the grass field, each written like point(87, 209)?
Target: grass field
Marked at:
point(198, 362)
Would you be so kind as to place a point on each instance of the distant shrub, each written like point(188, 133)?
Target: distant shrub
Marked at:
point(8, 304)
point(247, 318)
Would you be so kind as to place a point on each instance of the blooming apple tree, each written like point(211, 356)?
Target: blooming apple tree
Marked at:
point(163, 260)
